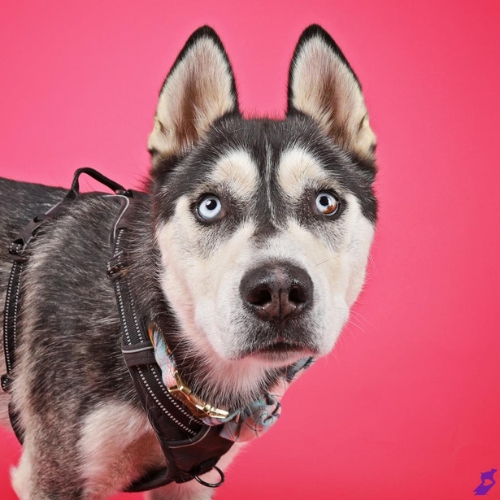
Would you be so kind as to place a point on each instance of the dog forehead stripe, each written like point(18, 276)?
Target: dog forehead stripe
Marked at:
point(297, 169)
point(238, 170)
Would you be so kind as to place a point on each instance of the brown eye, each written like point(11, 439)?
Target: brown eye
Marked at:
point(326, 203)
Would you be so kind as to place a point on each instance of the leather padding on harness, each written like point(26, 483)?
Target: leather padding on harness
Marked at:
point(191, 448)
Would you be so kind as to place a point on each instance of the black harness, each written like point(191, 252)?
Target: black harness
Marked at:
point(191, 448)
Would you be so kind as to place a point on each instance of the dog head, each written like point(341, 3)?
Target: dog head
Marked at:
point(264, 226)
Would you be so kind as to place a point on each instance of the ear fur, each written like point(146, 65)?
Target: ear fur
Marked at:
point(321, 84)
point(199, 89)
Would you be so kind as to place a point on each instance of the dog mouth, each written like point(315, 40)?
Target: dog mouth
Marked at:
point(280, 349)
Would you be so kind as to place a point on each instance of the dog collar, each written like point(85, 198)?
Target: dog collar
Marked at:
point(243, 424)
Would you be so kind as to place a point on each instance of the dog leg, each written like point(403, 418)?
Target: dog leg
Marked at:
point(92, 462)
point(117, 445)
point(21, 477)
point(36, 479)
point(29, 481)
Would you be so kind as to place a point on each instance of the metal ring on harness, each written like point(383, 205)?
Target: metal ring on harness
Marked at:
point(212, 485)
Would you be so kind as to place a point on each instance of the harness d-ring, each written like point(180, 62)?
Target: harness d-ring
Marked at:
point(212, 485)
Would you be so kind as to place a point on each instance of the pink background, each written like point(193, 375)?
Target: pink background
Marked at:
point(408, 404)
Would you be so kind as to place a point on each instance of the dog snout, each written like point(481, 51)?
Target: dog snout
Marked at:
point(277, 292)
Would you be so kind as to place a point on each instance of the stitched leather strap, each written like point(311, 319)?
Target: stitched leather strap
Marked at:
point(17, 250)
point(191, 448)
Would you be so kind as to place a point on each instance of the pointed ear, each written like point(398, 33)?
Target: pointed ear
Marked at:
point(199, 89)
point(321, 84)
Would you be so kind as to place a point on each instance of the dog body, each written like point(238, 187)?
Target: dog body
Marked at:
point(248, 247)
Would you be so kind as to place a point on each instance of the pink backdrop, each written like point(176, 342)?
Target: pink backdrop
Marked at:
point(408, 404)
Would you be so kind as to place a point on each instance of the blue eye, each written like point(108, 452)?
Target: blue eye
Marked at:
point(326, 203)
point(209, 207)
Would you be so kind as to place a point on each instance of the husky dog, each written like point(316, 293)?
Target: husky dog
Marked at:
point(249, 245)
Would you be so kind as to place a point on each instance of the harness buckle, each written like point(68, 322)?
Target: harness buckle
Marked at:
point(116, 267)
point(6, 383)
point(16, 250)
point(125, 192)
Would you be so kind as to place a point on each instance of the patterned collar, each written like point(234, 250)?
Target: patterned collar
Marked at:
point(242, 424)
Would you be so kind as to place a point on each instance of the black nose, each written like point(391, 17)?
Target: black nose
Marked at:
point(277, 292)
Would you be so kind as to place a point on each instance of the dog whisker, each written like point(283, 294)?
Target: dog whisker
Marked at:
point(324, 261)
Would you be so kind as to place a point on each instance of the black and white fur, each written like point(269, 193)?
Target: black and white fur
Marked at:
point(86, 436)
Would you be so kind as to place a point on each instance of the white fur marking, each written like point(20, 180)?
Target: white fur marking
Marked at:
point(297, 170)
point(111, 449)
point(238, 172)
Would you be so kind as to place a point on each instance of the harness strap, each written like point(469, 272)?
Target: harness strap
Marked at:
point(191, 448)
point(17, 250)
point(10, 333)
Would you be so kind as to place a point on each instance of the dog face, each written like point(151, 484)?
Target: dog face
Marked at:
point(264, 226)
